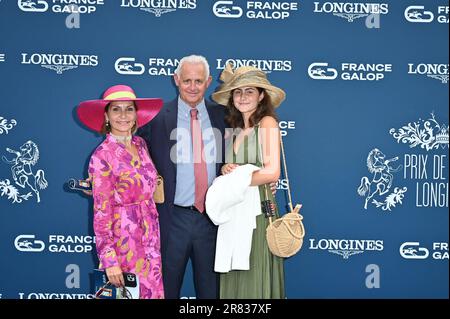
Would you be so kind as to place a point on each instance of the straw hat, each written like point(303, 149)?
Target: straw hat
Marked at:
point(91, 113)
point(246, 76)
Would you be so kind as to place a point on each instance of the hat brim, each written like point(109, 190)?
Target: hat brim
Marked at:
point(277, 95)
point(91, 113)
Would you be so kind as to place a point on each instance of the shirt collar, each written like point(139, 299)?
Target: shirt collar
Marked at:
point(184, 108)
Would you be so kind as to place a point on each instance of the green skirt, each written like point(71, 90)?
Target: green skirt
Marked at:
point(264, 280)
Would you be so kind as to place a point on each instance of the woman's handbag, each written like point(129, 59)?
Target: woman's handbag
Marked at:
point(158, 195)
point(105, 290)
point(85, 186)
point(285, 234)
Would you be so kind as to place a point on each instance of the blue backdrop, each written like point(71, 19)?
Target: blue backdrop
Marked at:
point(365, 124)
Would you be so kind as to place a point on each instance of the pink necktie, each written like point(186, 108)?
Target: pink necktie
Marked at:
point(200, 172)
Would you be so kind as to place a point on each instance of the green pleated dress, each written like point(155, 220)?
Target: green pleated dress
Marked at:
point(265, 279)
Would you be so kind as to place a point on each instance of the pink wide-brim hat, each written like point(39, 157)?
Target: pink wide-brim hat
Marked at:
point(92, 113)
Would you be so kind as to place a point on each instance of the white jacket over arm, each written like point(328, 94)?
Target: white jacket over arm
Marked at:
point(233, 205)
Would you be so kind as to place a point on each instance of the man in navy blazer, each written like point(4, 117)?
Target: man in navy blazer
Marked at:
point(186, 233)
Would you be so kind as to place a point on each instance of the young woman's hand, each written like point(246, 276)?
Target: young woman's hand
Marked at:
point(273, 188)
point(228, 168)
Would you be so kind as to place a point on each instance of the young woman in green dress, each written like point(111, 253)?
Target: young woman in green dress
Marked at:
point(251, 101)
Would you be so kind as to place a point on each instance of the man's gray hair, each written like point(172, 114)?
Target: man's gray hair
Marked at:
point(193, 59)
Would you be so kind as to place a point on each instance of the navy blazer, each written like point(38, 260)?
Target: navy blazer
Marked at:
point(157, 135)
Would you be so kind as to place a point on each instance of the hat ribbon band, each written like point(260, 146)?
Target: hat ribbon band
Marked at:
point(251, 76)
point(119, 95)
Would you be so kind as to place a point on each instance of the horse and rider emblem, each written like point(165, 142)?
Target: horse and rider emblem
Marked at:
point(23, 175)
point(381, 182)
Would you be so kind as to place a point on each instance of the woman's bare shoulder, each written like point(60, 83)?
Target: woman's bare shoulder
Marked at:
point(268, 122)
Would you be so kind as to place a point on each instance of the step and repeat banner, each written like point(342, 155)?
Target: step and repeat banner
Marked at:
point(365, 127)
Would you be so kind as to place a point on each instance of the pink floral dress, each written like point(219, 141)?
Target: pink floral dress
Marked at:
point(126, 222)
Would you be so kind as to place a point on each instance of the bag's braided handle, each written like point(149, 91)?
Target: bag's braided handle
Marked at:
point(283, 155)
point(286, 173)
point(289, 228)
point(266, 193)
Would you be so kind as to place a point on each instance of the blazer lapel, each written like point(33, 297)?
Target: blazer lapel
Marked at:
point(218, 124)
point(170, 120)
point(212, 115)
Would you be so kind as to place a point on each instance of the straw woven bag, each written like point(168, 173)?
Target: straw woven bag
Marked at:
point(285, 234)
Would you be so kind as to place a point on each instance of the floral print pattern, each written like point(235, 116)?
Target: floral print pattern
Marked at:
point(125, 217)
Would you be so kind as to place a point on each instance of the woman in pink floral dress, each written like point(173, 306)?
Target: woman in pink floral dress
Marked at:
point(123, 181)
